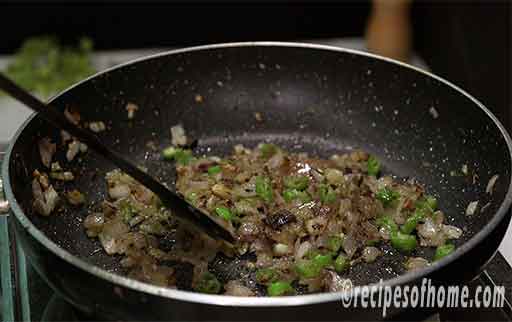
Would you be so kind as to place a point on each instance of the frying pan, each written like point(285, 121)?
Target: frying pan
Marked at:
point(318, 99)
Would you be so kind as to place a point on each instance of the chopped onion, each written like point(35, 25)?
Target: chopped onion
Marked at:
point(111, 237)
point(316, 226)
point(119, 191)
point(245, 190)
point(431, 234)
point(275, 161)
point(45, 197)
point(334, 176)
point(244, 207)
point(336, 283)
point(452, 232)
point(198, 185)
point(83, 147)
point(93, 224)
point(143, 194)
point(317, 174)
point(491, 183)
point(433, 112)
point(471, 209)
point(240, 149)
point(350, 245)
point(302, 249)
point(384, 233)
point(75, 197)
point(97, 126)
point(235, 288)
point(280, 249)
point(438, 217)
point(370, 254)
point(178, 135)
point(248, 231)
point(62, 176)
point(46, 150)
point(414, 263)
point(73, 149)
point(55, 167)
point(428, 229)
point(221, 191)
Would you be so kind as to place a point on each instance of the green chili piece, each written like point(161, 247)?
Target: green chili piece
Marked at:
point(181, 156)
point(264, 188)
point(443, 250)
point(267, 150)
point(341, 263)
point(322, 260)
point(373, 166)
point(388, 223)
point(327, 194)
point(224, 213)
point(307, 268)
point(334, 243)
point(169, 153)
point(208, 284)
point(410, 224)
point(387, 196)
point(280, 288)
point(192, 197)
point(427, 202)
point(296, 182)
point(213, 170)
point(127, 210)
point(292, 194)
point(265, 275)
point(403, 242)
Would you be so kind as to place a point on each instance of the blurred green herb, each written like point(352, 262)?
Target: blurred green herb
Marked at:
point(45, 67)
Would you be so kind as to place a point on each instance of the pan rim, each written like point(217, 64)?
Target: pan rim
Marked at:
point(225, 300)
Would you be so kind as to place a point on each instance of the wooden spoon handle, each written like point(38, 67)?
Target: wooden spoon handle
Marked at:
point(388, 31)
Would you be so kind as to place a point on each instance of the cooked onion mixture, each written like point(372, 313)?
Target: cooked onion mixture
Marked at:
point(301, 222)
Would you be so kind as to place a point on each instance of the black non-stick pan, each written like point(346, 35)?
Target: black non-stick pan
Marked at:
point(317, 99)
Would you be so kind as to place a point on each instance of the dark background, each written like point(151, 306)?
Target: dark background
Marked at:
point(466, 42)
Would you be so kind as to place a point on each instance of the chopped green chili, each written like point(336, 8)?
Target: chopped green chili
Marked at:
point(387, 196)
point(296, 182)
point(264, 188)
point(208, 284)
point(224, 213)
point(373, 166)
point(443, 250)
point(280, 288)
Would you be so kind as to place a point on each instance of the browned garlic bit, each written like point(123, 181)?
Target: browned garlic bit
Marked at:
point(131, 108)
point(75, 197)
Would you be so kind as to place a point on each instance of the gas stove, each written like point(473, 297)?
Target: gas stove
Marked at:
point(25, 296)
